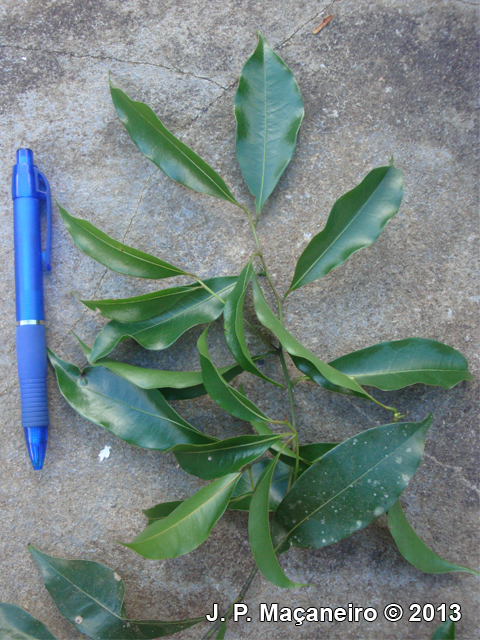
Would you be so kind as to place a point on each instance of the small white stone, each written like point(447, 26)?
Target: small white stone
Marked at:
point(104, 453)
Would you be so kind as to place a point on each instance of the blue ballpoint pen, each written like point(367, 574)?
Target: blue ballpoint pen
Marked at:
point(29, 188)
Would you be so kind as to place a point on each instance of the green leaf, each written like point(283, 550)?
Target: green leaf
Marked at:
point(140, 307)
point(160, 146)
point(197, 307)
point(400, 363)
point(415, 550)
point(351, 485)
point(116, 255)
point(214, 460)
point(188, 525)
point(175, 385)
point(140, 417)
point(269, 112)
point(222, 631)
point(355, 221)
point(18, 624)
point(90, 596)
point(259, 532)
point(242, 495)
point(316, 450)
point(162, 510)
point(294, 348)
point(231, 400)
point(233, 323)
point(446, 631)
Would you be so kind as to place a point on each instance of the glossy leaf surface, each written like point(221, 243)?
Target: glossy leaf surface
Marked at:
point(165, 150)
point(259, 532)
point(174, 385)
point(355, 221)
point(231, 400)
point(233, 323)
point(188, 525)
point(294, 348)
point(18, 624)
point(159, 332)
point(140, 307)
point(413, 549)
point(139, 416)
point(446, 631)
point(90, 596)
point(113, 254)
point(400, 363)
point(217, 459)
point(351, 485)
point(269, 112)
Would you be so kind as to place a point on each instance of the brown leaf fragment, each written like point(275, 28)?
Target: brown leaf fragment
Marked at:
point(323, 23)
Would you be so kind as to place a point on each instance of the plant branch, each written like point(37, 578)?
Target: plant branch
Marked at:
point(291, 401)
point(228, 611)
point(264, 265)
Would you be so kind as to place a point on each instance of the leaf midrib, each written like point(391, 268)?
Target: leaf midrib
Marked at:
point(236, 447)
point(219, 187)
point(154, 296)
point(403, 371)
point(342, 232)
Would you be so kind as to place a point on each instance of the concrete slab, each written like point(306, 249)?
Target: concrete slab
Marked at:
point(384, 77)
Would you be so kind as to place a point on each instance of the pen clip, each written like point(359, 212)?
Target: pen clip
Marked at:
point(45, 194)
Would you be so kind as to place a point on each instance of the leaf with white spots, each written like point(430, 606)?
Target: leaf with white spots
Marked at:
point(90, 596)
point(351, 485)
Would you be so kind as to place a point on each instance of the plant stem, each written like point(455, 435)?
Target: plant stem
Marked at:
point(291, 401)
point(228, 611)
point(396, 414)
point(207, 288)
point(264, 265)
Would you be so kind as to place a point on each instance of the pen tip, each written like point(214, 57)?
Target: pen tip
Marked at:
point(36, 439)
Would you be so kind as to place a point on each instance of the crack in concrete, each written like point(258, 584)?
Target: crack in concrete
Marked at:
point(113, 58)
point(315, 17)
point(139, 202)
point(457, 470)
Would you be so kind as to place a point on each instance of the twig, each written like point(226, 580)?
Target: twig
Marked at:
point(323, 23)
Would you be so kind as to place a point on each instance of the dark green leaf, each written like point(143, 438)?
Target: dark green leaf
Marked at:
point(294, 348)
point(351, 485)
point(446, 631)
point(269, 112)
point(160, 146)
point(310, 370)
point(140, 307)
point(231, 400)
point(242, 495)
point(415, 550)
point(355, 221)
point(90, 596)
point(214, 460)
point(259, 532)
point(233, 323)
point(18, 624)
point(188, 525)
point(197, 307)
point(313, 452)
point(222, 631)
point(113, 254)
point(140, 417)
point(400, 363)
point(162, 510)
point(175, 385)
